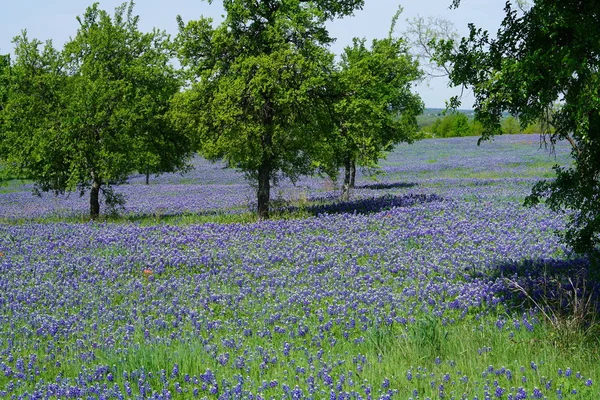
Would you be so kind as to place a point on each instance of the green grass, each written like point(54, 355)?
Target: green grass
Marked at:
point(143, 219)
point(428, 350)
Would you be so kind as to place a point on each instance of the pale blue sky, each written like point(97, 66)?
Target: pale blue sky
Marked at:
point(55, 19)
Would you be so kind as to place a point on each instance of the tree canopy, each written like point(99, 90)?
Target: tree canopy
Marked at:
point(87, 117)
point(375, 108)
point(32, 102)
point(4, 77)
point(544, 65)
point(4, 88)
point(257, 94)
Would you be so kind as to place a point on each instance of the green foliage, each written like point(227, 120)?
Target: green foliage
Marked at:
point(257, 94)
point(451, 125)
point(33, 102)
point(4, 82)
point(542, 55)
point(375, 107)
point(510, 125)
point(457, 124)
point(534, 127)
point(454, 124)
point(426, 119)
point(4, 88)
point(87, 117)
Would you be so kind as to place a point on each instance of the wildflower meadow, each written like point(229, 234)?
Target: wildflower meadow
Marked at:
point(432, 282)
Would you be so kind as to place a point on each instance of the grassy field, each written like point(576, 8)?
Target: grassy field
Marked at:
point(432, 282)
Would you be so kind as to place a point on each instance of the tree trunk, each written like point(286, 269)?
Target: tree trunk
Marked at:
point(353, 174)
point(264, 189)
point(94, 202)
point(147, 178)
point(347, 179)
point(266, 165)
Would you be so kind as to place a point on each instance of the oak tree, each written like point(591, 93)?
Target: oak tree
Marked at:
point(257, 94)
point(89, 116)
point(544, 64)
point(375, 108)
point(31, 107)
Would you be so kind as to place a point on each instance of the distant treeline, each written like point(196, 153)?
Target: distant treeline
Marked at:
point(462, 123)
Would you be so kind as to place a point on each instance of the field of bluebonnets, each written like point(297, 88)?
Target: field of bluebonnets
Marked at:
point(403, 292)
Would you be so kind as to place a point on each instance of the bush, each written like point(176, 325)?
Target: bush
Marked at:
point(458, 124)
point(510, 125)
point(450, 125)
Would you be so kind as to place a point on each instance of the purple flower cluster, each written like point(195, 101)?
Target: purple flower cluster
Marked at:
point(278, 309)
point(454, 167)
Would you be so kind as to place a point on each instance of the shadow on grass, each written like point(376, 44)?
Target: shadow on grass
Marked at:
point(371, 205)
point(287, 210)
point(384, 186)
point(317, 206)
point(565, 291)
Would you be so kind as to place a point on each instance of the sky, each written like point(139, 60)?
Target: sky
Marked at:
point(56, 20)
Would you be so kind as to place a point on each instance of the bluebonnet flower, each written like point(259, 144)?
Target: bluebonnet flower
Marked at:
point(240, 362)
point(266, 281)
point(223, 359)
point(521, 394)
point(534, 366)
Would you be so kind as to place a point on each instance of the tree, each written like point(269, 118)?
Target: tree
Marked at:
point(4, 87)
point(88, 117)
point(257, 94)
point(32, 102)
point(544, 54)
point(4, 79)
point(375, 108)
point(453, 124)
point(422, 35)
point(510, 125)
